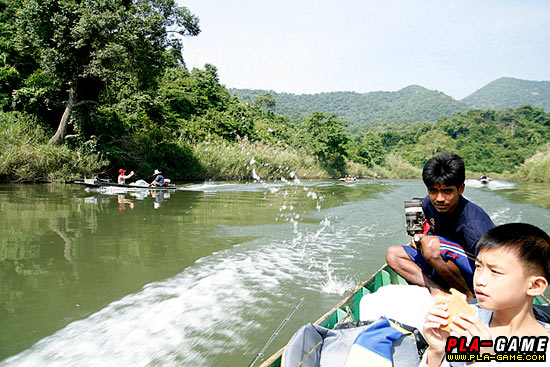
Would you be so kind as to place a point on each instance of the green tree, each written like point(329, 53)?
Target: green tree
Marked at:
point(92, 50)
point(371, 149)
point(14, 65)
point(265, 102)
point(328, 137)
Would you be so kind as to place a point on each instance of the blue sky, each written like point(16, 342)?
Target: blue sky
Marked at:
point(314, 46)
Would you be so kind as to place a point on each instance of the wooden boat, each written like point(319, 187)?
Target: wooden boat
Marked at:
point(348, 309)
point(93, 183)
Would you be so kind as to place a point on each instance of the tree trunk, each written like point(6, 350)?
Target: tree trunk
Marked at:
point(62, 128)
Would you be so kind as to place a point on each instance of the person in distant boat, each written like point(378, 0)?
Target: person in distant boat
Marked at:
point(443, 258)
point(484, 177)
point(159, 179)
point(122, 177)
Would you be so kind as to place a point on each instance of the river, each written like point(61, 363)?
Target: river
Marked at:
point(201, 276)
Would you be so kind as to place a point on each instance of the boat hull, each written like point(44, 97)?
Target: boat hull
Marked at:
point(98, 185)
point(348, 309)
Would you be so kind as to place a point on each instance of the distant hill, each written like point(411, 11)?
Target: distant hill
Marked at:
point(411, 104)
point(509, 92)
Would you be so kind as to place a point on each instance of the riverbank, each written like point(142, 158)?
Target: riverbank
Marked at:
point(26, 156)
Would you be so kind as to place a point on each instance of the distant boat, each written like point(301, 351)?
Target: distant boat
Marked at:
point(94, 183)
point(484, 180)
point(348, 179)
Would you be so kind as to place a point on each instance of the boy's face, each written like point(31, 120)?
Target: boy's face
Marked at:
point(445, 198)
point(500, 281)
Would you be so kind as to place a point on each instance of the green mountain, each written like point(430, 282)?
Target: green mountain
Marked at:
point(509, 92)
point(411, 104)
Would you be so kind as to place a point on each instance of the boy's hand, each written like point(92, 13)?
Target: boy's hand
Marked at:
point(470, 326)
point(433, 334)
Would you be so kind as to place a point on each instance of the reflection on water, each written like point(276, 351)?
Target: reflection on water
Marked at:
point(126, 196)
point(66, 252)
point(199, 276)
point(532, 193)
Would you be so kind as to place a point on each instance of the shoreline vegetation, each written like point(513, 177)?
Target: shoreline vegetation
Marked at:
point(27, 156)
point(78, 100)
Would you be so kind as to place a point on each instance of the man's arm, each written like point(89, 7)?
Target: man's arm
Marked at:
point(447, 270)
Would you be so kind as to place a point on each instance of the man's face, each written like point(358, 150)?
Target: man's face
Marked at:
point(445, 198)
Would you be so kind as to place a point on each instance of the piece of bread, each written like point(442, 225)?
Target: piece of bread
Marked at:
point(457, 305)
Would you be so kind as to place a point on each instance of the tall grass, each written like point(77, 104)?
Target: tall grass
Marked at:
point(26, 156)
point(396, 167)
point(536, 168)
point(358, 170)
point(246, 160)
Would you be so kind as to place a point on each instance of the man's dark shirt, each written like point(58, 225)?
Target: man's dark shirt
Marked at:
point(465, 225)
point(159, 180)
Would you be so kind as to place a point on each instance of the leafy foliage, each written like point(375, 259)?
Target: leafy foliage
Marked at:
point(26, 156)
point(150, 112)
point(536, 168)
point(410, 104)
point(493, 141)
point(94, 49)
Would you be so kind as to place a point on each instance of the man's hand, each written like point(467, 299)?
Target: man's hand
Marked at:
point(416, 241)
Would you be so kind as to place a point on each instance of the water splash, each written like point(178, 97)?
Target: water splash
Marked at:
point(491, 185)
point(333, 284)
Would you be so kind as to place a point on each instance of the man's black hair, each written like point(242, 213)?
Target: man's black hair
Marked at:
point(531, 244)
point(446, 168)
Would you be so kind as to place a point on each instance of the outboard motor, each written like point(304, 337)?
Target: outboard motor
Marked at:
point(414, 216)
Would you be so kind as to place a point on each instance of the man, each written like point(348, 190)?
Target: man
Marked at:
point(159, 179)
point(444, 257)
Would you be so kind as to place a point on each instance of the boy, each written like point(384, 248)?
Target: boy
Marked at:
point(512, 267)
point(437, 264)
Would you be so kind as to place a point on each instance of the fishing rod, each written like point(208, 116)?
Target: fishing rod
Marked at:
point(274, 335)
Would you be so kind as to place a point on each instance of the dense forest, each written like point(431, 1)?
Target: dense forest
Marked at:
point(89, 87)
point(364, 110)
point(487, 140)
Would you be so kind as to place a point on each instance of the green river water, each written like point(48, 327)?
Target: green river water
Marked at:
point(201, 276)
